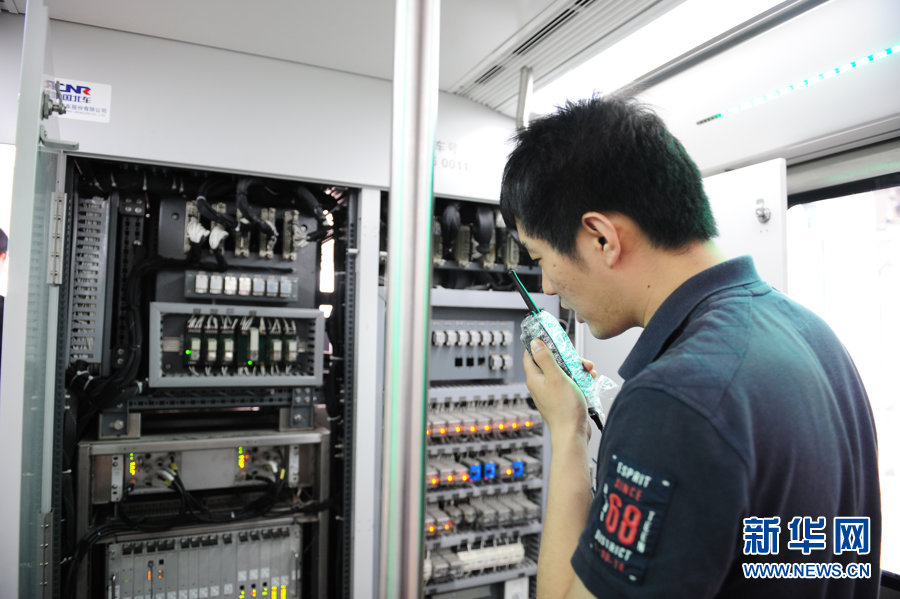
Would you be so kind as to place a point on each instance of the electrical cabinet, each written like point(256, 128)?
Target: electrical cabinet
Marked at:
point(202, 379)
point(487, 455)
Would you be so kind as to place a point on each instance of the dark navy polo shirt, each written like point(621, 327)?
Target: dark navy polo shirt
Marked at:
point(739, 407)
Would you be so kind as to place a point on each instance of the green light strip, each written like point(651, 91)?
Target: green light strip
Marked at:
point(802, 84)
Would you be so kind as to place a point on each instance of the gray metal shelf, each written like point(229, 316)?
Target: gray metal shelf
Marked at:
point(474, 536)
point(526, 568)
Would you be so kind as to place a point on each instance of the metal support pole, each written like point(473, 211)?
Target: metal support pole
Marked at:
point(526, 89)
point(408, 281)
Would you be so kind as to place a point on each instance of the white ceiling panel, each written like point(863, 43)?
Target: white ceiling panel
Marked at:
point(858, 104)
point(352, 36)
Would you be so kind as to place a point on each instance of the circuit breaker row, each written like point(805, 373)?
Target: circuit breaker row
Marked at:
point(225, 345)
point(453, 471)
point(449, 564)
point(485, 512)
point(224, 342)
point(204, 285)
point(482, 420)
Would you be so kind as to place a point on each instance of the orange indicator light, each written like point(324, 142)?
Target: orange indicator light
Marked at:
point(501, 426)
point(515, 425)
point(449, 478)
point(443, 430)
point(434, 481)
point(431, 529)
point(447, 526)
point(458, 429)
point(528, 424)
point(472, 429)
point(428, 432)
point(509, 472)
point(465, 477)
point(487, 427)
point(149, 574)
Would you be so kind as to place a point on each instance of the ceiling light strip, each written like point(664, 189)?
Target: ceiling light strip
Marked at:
point(802, 84)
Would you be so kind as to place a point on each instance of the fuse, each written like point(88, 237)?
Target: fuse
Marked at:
point(291, 351)
point(286, 287)
point(228, 350)
point(231, 285)
point(216, 282)
point(245, 285)
point(254, 344)
point(201, 283)
point(272, 287)
point(275, 350)
point(193, 349)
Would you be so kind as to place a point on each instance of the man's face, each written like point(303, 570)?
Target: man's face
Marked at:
point(582, 284)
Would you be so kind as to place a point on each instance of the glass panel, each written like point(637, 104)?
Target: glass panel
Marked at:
point(844, 263)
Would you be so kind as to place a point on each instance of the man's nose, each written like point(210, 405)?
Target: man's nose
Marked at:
point(546, 286)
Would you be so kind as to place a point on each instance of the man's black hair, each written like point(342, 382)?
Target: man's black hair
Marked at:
point(606, 154)
point(4, 241)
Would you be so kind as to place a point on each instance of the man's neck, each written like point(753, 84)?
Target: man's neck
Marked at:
point(667, 270)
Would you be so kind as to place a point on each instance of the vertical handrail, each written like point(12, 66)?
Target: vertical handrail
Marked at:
point(408, 281)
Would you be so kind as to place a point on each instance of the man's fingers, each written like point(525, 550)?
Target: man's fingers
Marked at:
point(544, 358)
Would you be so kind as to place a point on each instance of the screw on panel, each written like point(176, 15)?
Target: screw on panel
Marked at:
point(117, 425)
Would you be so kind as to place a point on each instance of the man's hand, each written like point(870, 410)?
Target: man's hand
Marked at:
point(558, 398)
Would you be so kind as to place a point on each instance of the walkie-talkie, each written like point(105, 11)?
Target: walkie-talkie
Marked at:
point(540, 324)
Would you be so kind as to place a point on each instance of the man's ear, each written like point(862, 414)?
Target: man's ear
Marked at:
point(602, 236)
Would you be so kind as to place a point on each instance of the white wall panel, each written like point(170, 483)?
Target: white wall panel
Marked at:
point(181, 103)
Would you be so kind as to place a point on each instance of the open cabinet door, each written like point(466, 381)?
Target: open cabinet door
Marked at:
point(750, 207)
point(28, 382)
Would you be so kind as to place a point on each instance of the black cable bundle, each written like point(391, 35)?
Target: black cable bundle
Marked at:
point(450, 222)
point(312, 207)
point(243, 203)
point(483, 230)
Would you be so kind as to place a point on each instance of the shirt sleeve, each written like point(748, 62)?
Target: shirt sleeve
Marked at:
point(671, 497)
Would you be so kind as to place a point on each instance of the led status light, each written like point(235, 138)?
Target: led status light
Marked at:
point(801, 84)
point(435, 481)
point(448, 525)
point(501, 426)
point(458, 429)
point(487, 427)
point(431, 529)
point(443, 430)
point(515, 425)
point(528, 424)
point(284, 591)
point(509, 472)
point(450, 478)
point(473, 429)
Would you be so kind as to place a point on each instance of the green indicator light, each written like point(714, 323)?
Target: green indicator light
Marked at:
point(828, 74)
point(240, 449)
point(187, 352)
point(249, 362)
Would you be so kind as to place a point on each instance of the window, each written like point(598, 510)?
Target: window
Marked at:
point(844, 264)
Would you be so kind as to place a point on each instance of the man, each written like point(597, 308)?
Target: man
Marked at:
point(742, 433)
